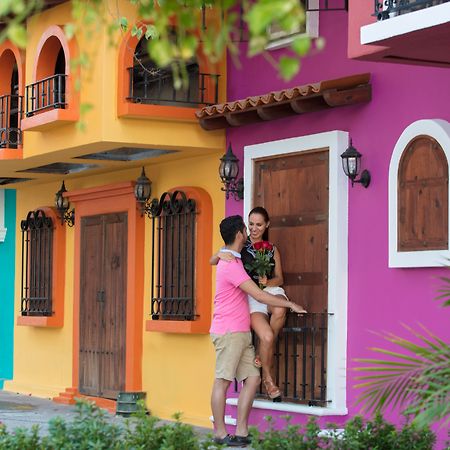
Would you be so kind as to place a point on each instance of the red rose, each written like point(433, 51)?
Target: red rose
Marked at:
point(258, 245)
point(266, 245)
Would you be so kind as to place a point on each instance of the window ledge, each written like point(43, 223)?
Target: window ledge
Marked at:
point(180, 327)
point(49, 119)
point(40, 321)
point(293, 408)
point(11, 153)
point(169, 113)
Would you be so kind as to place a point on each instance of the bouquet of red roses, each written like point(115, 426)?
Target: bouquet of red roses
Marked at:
point(261, 264)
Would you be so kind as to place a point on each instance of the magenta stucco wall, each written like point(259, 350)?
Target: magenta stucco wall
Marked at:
point(379, 298)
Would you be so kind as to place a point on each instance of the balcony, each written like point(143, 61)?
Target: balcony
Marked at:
point(156, 87)
point(10, 119)
point(45, 94)
point(402, 31)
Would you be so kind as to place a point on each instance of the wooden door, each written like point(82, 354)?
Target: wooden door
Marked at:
point(294, 190)
point(103, 271)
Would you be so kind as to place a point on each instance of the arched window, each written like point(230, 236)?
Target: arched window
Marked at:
point(418, 196)
point(48, 90)
point(150, 84)
point(10, 101)
point(423, 197)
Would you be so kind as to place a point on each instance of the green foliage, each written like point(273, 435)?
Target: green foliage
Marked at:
point(216, 35)
point(357, 435)
point(416, 376)
point(93, 429)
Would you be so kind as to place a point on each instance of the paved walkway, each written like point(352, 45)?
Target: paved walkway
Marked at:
point(17, 410)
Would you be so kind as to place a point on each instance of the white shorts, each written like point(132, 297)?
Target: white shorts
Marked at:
point(256, 306)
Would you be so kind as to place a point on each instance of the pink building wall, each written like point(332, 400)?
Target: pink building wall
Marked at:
point(379, 298)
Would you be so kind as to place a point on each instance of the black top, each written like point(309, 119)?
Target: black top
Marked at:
point(248, 255)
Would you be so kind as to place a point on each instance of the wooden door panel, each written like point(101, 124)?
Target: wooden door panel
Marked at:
point(294, 190)
point(115, 264)
point(90, 307)
point(103, 271)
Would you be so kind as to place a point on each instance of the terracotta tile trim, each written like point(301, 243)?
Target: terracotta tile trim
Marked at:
point(299, 99)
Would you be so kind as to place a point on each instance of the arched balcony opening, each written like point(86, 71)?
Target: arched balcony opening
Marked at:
point(10, 102)
point(150, 84)
point(48, 91)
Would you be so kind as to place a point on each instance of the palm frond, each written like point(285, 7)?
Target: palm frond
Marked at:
point(418, 380)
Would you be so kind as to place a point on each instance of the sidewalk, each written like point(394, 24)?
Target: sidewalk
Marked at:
point(17, 410)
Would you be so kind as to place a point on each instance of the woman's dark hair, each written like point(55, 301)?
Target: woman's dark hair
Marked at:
point(263, 212)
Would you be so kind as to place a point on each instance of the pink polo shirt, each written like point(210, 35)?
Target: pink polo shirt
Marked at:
point(231, 313)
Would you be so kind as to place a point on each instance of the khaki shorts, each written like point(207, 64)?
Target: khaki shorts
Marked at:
point(235, 356)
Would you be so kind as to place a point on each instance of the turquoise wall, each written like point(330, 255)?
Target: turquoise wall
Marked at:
point(7, 251)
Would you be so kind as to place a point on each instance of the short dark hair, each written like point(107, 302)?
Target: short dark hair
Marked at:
point(230, 227)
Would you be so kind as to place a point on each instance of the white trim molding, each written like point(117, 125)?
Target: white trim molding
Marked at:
point(405, 23)
point(2, 216)
point(440, 131)
point(336, 142)
point(281, 38)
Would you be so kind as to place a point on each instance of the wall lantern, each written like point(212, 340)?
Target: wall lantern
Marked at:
point(228, 172)
point(62, 205)
point(142, 192)
point(351, 163)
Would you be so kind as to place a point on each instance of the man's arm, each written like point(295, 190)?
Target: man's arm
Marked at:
point(250, 288)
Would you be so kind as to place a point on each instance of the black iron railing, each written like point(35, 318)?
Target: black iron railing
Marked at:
point(10, 118)
point(385, 9)
point(45, 94)
point(156, 86)
point(37, 258)
point(300, 359)
point(173, 257)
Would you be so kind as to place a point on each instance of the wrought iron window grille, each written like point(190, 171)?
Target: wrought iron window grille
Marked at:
point(48, 93)
point(10, 120)
point(173, 257)
point(37, 264)
point(150, 85)
point(300, 358)
point(386, 9)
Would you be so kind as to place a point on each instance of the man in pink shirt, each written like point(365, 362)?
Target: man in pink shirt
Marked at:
point(231, 336)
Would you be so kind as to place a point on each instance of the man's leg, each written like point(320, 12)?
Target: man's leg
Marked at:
point(245, 403)
point(218, 398)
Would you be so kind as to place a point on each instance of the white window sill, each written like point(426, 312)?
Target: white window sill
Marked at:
point(293, 408)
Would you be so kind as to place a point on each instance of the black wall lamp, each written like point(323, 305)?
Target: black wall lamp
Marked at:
point(142, 192)
point(228, 172)
point(351, 163)
point(62, 205)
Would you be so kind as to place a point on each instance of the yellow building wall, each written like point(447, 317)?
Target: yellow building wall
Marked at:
point(177, 369)
point(103, 129)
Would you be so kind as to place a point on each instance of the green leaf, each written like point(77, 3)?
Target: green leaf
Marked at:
point(123, 22)
point(69, 30)
point(301, 45)
point(288, 67)
point(17, 34)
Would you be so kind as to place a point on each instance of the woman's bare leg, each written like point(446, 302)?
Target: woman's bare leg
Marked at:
point(277, 319)
point(260, 324)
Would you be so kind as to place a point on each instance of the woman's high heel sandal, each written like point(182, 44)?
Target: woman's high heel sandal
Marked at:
point(272, 389)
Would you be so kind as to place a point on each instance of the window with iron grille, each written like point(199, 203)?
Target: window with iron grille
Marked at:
point(37, 264)
point(150, 84)
point(173, 257)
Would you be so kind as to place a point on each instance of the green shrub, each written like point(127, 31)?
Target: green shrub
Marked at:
point(91, 429)
point(358, 434)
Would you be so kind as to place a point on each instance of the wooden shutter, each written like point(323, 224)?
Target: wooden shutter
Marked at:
point(423, 196)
